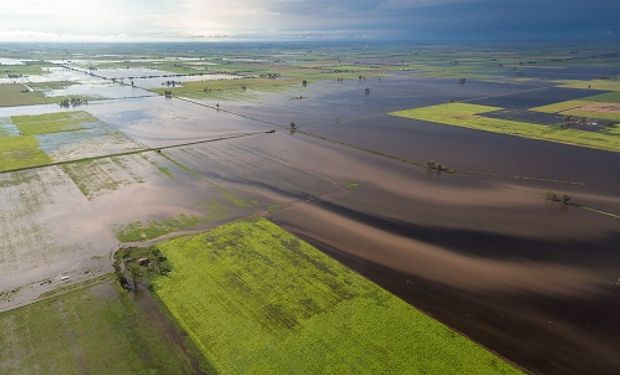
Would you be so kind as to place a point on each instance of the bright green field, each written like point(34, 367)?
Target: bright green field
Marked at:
point(91, 329)
point(52, 122)
point(469, 116)
point(257, 300)
point(21, 152)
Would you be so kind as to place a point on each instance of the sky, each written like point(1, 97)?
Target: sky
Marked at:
point(229, 20)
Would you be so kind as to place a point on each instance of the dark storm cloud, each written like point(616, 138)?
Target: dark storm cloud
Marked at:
point(478, 19)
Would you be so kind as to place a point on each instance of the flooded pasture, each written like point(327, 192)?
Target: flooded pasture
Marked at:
point(343, 113)
point(159, 122)
point(536, 97)
point(479, 249)
point(153, 83)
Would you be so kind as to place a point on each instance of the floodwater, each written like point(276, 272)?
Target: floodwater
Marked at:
point(100, 90)
point(159, 82)
point(52, 74)
point(536, 98)
point(491, 244)
point(342, 112)
point(533, 280)
point(159, 122)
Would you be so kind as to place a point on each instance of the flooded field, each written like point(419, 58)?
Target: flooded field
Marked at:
point(510, 241)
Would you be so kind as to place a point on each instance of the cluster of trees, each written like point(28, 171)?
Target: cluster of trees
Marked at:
point(270, 75)
point(170, 83)
point(431, 164)
point(568, 119)
point(556, 197)
point(73, 102)
point(137, 267)
point(168, 93)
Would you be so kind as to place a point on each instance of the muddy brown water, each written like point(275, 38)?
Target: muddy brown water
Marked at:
point(533, 280)
point(522, 276)
point(343, 113)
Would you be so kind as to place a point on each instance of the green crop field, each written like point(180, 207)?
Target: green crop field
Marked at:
point(470, 116)
point(20, 152)
point(52, 122)
point(95, 328)
point(17, 94)
point(257, 300)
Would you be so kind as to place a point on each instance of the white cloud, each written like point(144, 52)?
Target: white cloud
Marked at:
point(90, 20)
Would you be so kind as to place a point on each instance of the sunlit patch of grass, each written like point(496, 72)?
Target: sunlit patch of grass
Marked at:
point(21, 152)
point(257, 300)
point(226, 88)
point(471, 116)
point(52, 122)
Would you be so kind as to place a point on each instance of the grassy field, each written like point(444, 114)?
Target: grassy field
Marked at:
point(227, 88)
point(21, 152)
point(26, 149)
point(52, 122)
point(469, 116)
point(604, 106)
point(213, 210)
point(257, 300)
point(94, 328)
point(32, 68)
point(610, 97)
point(595, 84)
point(16, 94)
point(231, 89)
